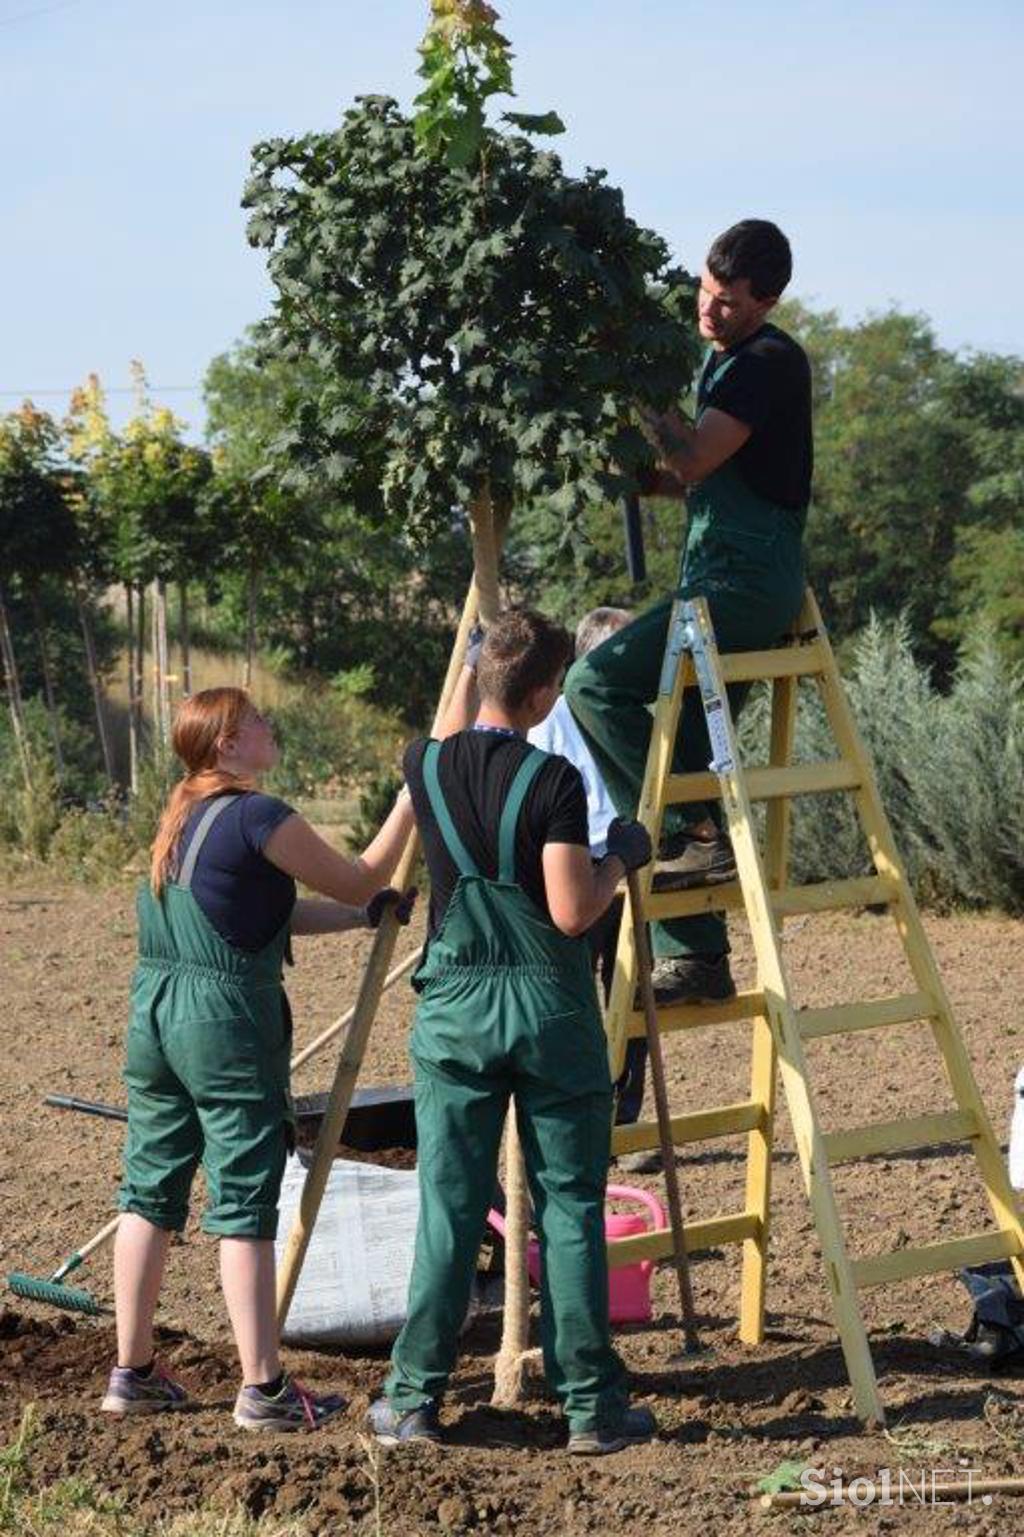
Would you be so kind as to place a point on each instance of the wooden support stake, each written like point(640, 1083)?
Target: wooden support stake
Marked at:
point(354, 1045)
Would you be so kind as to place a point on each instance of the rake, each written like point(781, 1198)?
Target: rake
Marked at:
point(52, 1291)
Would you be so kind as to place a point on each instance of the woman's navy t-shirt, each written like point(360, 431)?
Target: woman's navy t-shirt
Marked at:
point(245, 897)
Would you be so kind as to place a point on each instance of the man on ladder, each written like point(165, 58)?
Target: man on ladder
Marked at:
point(745, 469)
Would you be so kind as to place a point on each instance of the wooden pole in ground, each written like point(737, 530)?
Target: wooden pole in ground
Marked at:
point(513, 1359)
point(95, 682)
point(354, 1045)
point(133, 730)
point(162, 665)
point(185, 638)
point(49, 692)
point(13, 686)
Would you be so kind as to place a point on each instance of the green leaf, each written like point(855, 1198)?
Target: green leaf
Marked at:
point(535, 122)
point(465, 136)
point(785, 1477)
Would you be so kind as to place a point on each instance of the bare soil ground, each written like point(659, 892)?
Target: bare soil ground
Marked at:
point(727, 1419)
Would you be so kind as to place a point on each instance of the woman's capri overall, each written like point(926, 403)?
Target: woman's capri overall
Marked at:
point(509, 1010)
point(209, 1045)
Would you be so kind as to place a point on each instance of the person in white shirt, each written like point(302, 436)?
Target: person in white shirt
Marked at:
point(559, 733)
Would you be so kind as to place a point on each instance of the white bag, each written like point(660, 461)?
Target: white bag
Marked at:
point(1017, 1135)
point(355, 1280)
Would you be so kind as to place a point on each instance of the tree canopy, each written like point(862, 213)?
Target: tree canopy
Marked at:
point(487, 327)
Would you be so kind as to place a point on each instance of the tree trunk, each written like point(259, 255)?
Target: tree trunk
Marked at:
point(95, 682)
point(48, 690)
point(511, 1364)
point(14, 694)
point(162, 681)
point(185, 639)
point(250, 635)
point(133, 724)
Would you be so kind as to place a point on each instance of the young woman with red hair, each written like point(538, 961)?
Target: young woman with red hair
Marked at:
point(209, 1041)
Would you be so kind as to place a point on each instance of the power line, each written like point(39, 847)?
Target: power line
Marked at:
point(126, 389)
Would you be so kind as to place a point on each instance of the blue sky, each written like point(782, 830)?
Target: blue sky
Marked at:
point(884, 137)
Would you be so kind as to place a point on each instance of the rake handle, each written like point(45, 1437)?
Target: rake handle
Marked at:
point(97, 1241)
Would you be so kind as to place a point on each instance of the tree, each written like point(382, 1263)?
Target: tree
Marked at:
point(339, 580)
point(915, 448)
point(147, 485)
point(37, 539)
point(485, 324)
point(260, 524)
point(485, 328)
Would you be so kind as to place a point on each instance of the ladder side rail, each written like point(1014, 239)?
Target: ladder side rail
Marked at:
point(764, 1058)
point(809, 1139)
point(949, 1040)
point(650, 809)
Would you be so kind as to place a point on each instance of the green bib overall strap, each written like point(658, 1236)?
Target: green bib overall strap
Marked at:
point(446, 827)
point(207, 1068)
point(525, 775)
point(206, 821)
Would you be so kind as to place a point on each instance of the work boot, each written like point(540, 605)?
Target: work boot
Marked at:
point(393, 1429)
point(685, 861)
point(636, 1425)
point(692, 979)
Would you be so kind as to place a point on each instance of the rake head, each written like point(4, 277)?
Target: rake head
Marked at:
point(73, 1298)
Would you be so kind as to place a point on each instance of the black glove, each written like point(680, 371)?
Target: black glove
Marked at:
point(474, 646)
point(630, 842)
point(401, 902)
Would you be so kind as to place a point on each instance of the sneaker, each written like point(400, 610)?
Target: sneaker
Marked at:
point(646, 1160)
point(393, 1429)
point(293, 1407)
point(635, 1426)
point(685, 861)
point(130, 1392)
point(692, 979)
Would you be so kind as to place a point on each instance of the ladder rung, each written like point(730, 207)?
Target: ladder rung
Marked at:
point(822, 897)
point(766, 783)
point(830, 896)
point(692, 1016)
point(779, 662)
point(845, 1018)
point(702, 899)
point(932, 1258)
point(896, 1136)
point(695, 1126)
point(707, 1234)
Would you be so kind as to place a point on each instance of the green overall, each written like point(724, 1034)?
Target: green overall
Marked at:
point(744, 555)
point(209, 1044)
point(509, 1009)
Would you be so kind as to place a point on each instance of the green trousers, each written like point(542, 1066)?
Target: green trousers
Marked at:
point(610, 691)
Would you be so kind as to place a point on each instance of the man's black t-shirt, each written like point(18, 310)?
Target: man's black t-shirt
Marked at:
point(765, 382)
point(475, 770)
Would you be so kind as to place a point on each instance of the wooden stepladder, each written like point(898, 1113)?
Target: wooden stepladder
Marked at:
point(780, 1028)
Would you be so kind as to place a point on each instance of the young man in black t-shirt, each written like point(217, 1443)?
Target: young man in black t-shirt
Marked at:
point(745, 470)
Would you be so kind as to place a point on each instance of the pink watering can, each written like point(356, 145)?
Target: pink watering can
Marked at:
point(629, 1286)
